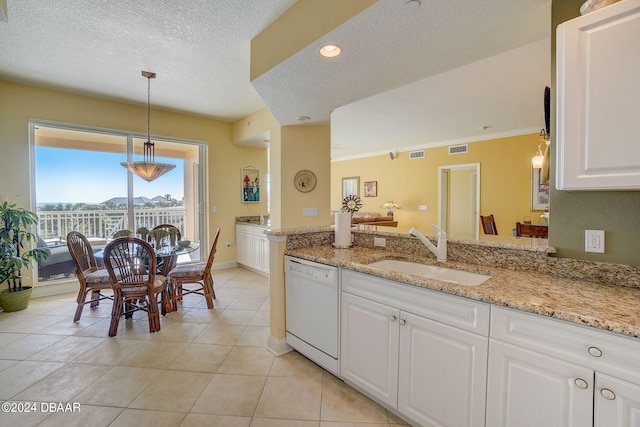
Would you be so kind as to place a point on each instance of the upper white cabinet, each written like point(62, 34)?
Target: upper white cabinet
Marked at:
point(598, 100)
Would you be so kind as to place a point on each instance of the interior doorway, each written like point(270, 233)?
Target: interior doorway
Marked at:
point(459, 200)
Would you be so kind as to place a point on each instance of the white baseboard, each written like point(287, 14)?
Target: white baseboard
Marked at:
point(223, 265)
point(278, 347)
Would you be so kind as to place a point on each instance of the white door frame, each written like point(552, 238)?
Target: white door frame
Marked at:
point(443, 195)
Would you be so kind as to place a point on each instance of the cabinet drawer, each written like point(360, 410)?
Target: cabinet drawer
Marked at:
point(463, 313)
point(603, 351)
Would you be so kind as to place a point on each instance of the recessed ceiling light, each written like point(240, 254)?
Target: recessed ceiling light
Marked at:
point(330, 50)
point(412, 5)
point(303, 118)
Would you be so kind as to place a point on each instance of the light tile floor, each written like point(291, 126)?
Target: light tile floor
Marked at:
point(205, 367)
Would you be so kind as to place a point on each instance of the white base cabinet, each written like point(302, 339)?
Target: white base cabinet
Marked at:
point(397, 348)
point(252, 247)
point(527, 389)
point(617, 402)
point(545, 372)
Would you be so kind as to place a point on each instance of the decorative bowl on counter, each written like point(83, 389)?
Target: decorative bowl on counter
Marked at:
point(184, 243)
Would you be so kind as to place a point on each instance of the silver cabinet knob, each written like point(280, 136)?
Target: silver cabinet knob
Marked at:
point(403, 322)
point(607, 394)
point(580, 383)
point(595, 351)
point(392, 318)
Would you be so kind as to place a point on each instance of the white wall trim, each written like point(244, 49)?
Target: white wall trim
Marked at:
point(278, 347)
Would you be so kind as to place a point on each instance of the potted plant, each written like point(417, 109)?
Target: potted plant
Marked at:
point(15, 256)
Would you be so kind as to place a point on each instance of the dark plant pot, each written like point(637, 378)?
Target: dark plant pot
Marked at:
point(15, 301)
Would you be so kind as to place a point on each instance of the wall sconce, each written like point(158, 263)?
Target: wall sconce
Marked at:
point(538, 159)
point(390, 206)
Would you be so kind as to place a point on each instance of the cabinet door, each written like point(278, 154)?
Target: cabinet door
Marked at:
point(617, 402)
point(442, 373)
point(597, 100)
point(243, 246)
point(264, 253)
point(369, 347)
point(526, 389)
point(256, 251)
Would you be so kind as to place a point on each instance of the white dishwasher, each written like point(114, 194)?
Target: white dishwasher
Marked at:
point(312, 295)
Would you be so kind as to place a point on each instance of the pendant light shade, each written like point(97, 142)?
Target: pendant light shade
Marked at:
point(148, 169)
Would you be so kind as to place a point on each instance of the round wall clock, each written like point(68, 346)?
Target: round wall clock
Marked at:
point(352, 203)
point(305, 181)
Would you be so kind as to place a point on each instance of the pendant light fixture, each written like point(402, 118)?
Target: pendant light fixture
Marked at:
point(148, 169)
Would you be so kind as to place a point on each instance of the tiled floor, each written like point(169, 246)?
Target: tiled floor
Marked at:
point(205, 367)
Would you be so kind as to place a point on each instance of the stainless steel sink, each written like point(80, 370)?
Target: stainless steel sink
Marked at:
point(458, 277)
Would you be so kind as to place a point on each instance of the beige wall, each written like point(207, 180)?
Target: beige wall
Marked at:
point(305, 147)
point(505, 167)
point(20, 102)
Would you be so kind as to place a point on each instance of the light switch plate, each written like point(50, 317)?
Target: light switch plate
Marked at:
point(309, 211)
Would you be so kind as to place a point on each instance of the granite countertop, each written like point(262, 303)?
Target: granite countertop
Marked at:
point(607, 307)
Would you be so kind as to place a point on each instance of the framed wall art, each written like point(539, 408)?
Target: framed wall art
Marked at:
point(539, 191)
point(250, 177)
point(371, 189)
point(350, 186)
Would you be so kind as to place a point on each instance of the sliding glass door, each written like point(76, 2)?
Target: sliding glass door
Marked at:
point(80, 185)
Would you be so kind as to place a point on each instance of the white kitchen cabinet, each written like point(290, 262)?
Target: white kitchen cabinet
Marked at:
point(597, 93)
point(527, 389)
point(544, 371)
point(396, 348)
point(252, 247)
point(617, 402)
point(442, 373)
point(369, 350)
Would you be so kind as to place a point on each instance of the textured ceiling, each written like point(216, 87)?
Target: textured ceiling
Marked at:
point(199, 49)
point(392, 88)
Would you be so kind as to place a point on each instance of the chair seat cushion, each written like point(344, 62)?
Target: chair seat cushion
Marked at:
point(158, 283)
point(99, 277)
point(191, 271)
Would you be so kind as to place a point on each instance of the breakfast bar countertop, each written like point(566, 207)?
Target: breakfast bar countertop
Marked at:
point(607, 307)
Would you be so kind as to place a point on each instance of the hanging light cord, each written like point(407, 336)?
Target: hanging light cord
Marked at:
point(149, 154)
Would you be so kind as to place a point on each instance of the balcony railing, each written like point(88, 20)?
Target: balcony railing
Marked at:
point(104, 223)
point(98, 226)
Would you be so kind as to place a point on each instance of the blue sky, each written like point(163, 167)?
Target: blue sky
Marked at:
point(74, 176)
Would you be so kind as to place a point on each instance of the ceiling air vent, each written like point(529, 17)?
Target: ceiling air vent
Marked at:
point(458, 149)
point(416, 155)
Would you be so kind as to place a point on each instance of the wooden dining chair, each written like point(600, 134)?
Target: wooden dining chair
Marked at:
point(195, 274)
point(489, 224)
point(131, 264)
point(90, 276)
point(531, 230)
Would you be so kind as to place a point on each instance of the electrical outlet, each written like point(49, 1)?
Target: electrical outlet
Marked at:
point(309, 211)
point(422, 207)
point(594, 241)
point(379, 241)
